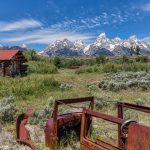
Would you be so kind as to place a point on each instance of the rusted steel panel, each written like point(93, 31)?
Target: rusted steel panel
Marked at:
point(121, 139)
point(86, 142)
point(104, 116)
point(138, 137)
point(121, 106)
point(75, 100)
point(135, 107)
point(106, 145)
point(131, 135)
point(67, 122)
point(56, 125)
point(22, 134)
point(89, 145)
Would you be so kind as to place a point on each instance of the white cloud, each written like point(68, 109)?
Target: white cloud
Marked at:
point(101, 20)
point(71, 29)
point(146, 7)
point(146, 39)
point(45, 36)
point(20, 24)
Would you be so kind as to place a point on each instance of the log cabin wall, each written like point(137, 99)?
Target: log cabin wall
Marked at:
point(2, 69)
point(14, 66)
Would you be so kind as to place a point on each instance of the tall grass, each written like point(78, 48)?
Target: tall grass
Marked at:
point(41, 67)
point(110, 67)
point(30, 85)
point(114, 67)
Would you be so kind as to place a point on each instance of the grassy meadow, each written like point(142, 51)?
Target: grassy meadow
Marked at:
point(50, 78)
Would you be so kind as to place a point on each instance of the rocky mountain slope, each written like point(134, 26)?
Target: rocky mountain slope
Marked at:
point(102, 45)
point(22, 47)
point(65, 48)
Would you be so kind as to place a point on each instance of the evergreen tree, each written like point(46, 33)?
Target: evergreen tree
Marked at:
point(137, 50)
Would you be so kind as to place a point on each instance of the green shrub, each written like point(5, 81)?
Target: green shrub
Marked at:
point(125, 59)
point(69, 138)
point(41, 67)
point(66, 86)
point(92, 86)
point(30, 55)
point(140, 101)
point(40, 116)
point(101, 102)
point(131, 115)
point(101, 59)
point(110, 67)
point(86, 69)
point(125, 80)
point(143, 59)
point(7, 109)
point(57, 62)
point(31, 85)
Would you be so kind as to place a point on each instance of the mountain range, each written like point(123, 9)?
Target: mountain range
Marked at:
point(21, 47)
point(101, 46)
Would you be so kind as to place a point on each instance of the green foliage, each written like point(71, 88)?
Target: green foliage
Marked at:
point(125, 80)
point(129, 114)
point(40, 116)
point(70, 139)
point(92, 86)
point(101, 59)
point(72, 62)
point(125, 59)
point(62, 62)
point(7, 109)
point(140, 101)
point(112, 67)
point(57, 62)
point(86, 69)
point(143, 59)
point(65, 86)
point(41, 67)
point(30, 85)
point(101, 102)
point(30, 55)
point(137, 50)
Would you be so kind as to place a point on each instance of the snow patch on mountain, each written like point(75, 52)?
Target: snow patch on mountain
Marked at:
point(24, 46)
point(102, 45)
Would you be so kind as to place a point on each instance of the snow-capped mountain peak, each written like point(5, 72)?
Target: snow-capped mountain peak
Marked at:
point(67, 43)
point(79, 45)
point(102, 35)
point(65, 48)
point(86, 49)
point(133, 38)
point(24, 46)
point(102, 38)
point(102, 45)
point(117, 39)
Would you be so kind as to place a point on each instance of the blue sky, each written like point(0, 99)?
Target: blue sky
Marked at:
point(40, 22)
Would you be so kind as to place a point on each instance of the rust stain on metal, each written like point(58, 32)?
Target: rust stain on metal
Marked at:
point(58, 124)
point(23, 135)
point(138, 137)
point(131, 135)
point(121, 106)
point(85, 142)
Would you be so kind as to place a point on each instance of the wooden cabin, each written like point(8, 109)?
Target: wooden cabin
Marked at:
point(12, 63)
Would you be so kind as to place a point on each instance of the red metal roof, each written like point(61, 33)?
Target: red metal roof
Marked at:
point(7, 54)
